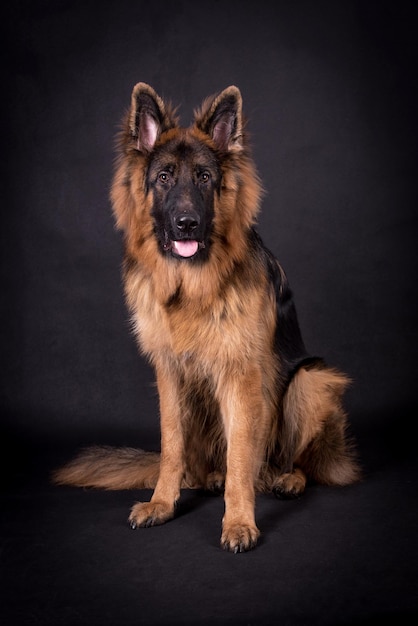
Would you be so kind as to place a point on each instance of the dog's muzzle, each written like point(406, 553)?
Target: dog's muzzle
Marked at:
point(186, 241)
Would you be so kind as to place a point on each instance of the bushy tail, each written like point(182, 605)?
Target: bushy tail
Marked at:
point(105, 467)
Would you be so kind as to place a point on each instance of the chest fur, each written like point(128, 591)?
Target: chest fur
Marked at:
point(233, 326)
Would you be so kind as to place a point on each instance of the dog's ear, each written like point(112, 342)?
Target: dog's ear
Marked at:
point(149, 117)
point(221, 118)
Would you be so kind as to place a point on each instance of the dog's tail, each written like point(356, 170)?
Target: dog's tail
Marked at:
point(105, 467)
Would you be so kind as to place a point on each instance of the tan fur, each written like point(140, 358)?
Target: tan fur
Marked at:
point(229, 418)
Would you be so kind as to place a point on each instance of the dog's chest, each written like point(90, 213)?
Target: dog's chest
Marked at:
point(184, 329)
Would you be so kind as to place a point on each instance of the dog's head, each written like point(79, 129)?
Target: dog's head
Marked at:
point(181, 184)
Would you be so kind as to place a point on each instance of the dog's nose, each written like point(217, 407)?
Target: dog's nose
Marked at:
point(186, 223)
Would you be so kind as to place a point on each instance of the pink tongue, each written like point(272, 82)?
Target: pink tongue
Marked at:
point(185, 248)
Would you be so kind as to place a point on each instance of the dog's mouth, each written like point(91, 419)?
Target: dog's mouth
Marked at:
point(184, 248)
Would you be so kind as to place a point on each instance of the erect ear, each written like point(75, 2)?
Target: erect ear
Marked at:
point(221, 118)
point(148, 117)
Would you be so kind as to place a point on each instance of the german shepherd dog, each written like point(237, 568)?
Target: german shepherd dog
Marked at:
point(244, 408)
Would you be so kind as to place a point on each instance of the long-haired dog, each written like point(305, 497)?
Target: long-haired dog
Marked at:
point(243, 407)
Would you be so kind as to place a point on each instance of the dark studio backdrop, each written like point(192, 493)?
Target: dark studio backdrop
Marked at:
point(330, 92)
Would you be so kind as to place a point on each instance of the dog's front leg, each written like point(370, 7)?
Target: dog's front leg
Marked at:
point(245, 423)
point(167, 491)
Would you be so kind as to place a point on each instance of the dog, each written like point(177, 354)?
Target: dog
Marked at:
point(244, 408)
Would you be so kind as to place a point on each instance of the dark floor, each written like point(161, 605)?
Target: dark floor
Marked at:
point(335, 556)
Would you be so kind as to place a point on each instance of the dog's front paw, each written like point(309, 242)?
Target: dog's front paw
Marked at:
point(239, 537)
point(145, 514)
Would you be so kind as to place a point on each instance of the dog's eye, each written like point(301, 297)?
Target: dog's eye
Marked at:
point(163, 177)
point(204, 177)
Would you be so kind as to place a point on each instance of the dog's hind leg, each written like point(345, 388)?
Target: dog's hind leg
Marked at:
point(314, 427)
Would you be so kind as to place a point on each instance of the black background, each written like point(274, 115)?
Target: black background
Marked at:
point(330, 92)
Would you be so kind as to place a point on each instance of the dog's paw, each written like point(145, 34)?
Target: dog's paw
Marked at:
point(290, 486)
point(215, 482)
point(145, 514)
point(239, 537)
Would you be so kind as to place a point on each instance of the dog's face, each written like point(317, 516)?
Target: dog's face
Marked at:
point(184, 176)
point(178, 193)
